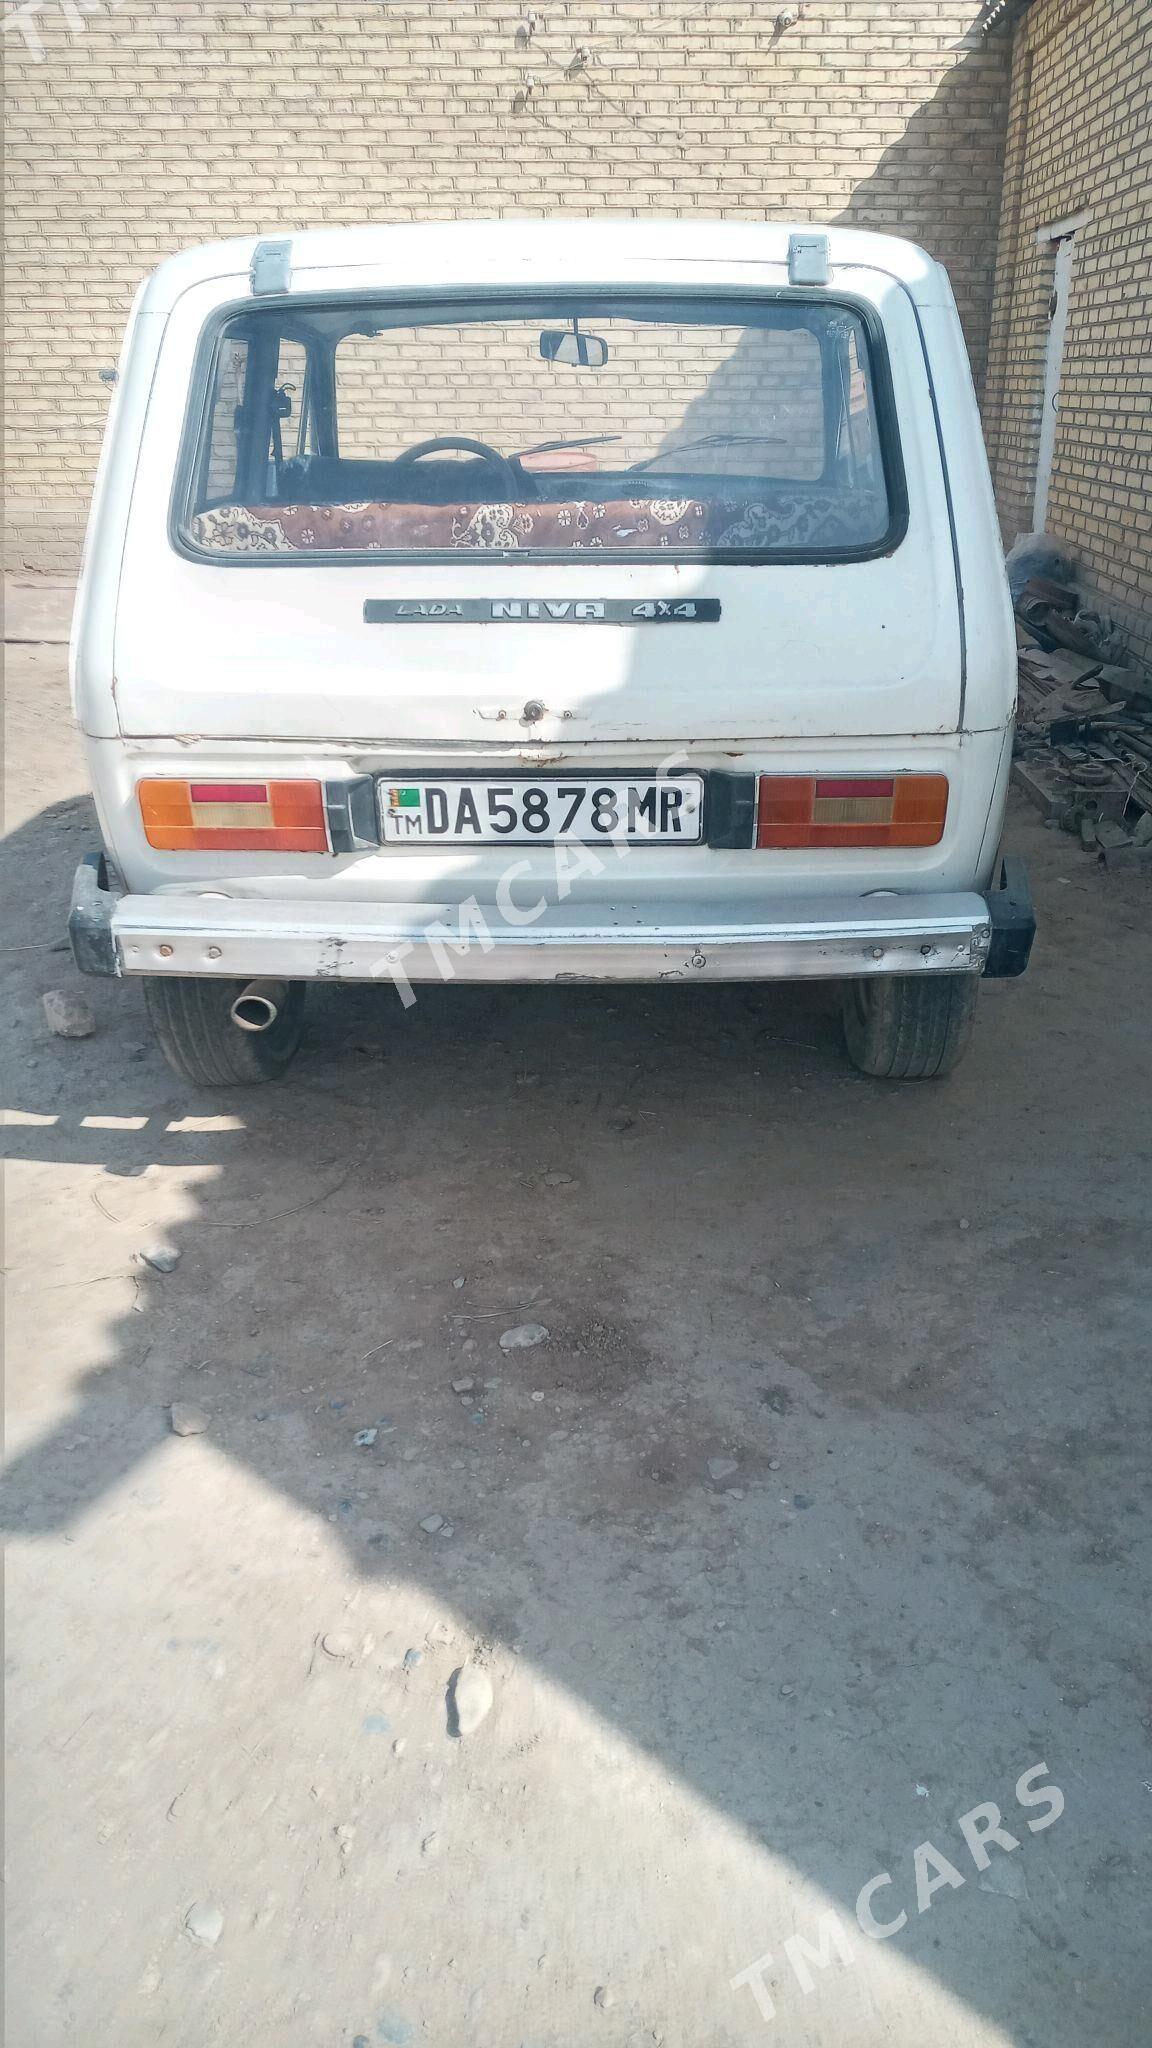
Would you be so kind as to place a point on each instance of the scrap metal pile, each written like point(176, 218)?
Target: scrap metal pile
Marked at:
point(1084, 725)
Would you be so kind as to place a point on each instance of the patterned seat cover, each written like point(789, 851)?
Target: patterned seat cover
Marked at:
point(784, 520)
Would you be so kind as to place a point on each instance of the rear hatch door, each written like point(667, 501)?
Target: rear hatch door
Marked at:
point(603, 649)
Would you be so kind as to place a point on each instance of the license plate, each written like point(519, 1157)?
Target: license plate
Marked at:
point(665, 810)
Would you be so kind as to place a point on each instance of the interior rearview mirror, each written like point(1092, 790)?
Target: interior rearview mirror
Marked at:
point(572, 345)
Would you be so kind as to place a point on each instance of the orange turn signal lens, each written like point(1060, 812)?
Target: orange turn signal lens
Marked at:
point(851, 810)
point(241, 817)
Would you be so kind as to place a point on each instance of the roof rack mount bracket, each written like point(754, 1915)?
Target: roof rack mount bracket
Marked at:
point(271, 271)
point(807, 259)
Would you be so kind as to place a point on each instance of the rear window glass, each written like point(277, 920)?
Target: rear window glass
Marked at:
point(691, 429)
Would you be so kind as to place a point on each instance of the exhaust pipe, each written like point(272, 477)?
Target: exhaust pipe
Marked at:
point(258, 1006)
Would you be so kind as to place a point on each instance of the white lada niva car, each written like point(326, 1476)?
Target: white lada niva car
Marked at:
point(558, 601)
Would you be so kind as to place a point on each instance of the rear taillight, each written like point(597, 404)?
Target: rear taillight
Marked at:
point(242, 817)
point(851, 810)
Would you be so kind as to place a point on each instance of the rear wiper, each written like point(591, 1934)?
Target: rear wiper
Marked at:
point(550, 447)
point(709, 441)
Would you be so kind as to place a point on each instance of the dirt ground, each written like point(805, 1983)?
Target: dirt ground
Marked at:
point(820, 1517)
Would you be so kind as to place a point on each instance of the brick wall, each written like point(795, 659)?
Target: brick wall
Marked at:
point(663, 383)
point(1080, 141)
point(150, 126)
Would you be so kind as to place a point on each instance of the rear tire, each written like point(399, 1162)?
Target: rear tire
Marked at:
point(909, 1027)
point(190, 1017)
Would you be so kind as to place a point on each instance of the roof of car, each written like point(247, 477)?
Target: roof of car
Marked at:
point(563, 249)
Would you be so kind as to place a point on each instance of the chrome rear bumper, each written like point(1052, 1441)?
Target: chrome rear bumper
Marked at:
point(807, 937)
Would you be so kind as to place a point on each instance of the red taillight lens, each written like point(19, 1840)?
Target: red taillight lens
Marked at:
point(851, 810)
point(242, 817)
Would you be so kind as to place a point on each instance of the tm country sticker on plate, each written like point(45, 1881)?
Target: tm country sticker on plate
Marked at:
point(663, 809)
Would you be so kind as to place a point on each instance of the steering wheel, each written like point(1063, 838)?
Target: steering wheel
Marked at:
point(491, 456)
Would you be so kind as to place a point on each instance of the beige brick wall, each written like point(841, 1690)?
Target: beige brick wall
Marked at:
point(661, 385)
point(154, 125)
point(1080, 140)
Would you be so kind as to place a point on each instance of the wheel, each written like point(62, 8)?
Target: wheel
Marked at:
point(909, 1027)
point(190, 1016)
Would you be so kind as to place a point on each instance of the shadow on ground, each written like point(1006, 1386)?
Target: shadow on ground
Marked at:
point(837, 1487)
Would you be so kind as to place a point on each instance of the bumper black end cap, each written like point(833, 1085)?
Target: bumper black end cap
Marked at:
point(1013, 921)
point(90, 919)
